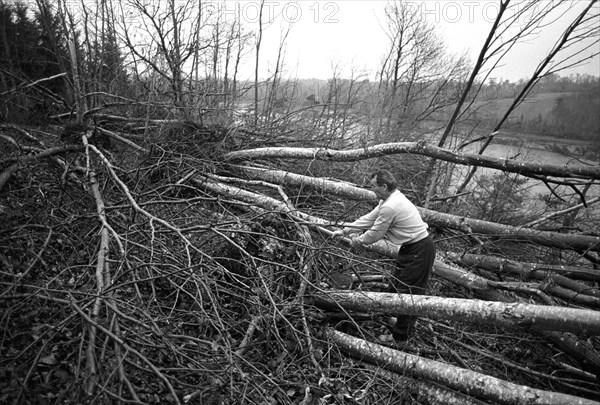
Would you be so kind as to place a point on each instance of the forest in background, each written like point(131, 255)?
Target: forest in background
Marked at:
point(166, 226)
point(557, 106)
point(34, 49)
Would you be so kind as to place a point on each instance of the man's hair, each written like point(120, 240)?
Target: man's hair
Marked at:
point(385, 177)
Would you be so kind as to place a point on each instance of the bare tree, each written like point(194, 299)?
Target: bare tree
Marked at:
point(257, 59)
point(163, 40)
point(274, 82)
point(417, 76)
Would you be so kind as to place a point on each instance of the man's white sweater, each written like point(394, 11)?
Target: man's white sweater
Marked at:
point(395, 220)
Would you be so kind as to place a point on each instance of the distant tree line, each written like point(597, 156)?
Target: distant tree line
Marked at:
point(36, 62)
point(554, 83)
point(32, 48)
point(576, 115)
point(575, 112)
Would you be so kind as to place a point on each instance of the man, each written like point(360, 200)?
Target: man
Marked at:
point(397, 221)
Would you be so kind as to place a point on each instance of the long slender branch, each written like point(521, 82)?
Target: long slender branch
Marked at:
point(12, 169)
point(128, 349)
point(478, 65)
point(103, 256)
point(562, 212)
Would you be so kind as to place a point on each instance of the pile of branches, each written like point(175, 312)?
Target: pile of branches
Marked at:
point(169, 272)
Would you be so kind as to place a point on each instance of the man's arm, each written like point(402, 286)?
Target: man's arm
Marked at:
point(363, 223)
point(380, 226)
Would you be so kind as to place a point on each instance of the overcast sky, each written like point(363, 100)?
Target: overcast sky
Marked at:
point(349, 34)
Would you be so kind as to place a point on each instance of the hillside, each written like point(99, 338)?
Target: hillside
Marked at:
point(567, 115)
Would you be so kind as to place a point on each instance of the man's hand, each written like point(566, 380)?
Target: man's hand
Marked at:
point(354, 242)
point(338, 234)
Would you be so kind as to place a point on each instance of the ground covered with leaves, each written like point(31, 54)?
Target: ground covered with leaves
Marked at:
point(170, 294)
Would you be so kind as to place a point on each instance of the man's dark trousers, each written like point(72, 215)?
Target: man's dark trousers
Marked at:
point(411, 276)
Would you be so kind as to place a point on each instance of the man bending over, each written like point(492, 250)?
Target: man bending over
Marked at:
point(397, 221)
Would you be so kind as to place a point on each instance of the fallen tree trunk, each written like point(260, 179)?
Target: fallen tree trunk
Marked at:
point(504, 315)
point(545, 290)
point(536, 271)
point(579, 349)
point(555, 284)
point(580, 243)
point(531, 169)
point(259, 200)
point(570, 344)
point(439, 219)
point(441, 269)
point(426, 391)
point(469, 382)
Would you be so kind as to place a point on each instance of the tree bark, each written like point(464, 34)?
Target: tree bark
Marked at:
point(259, 200)
point(418, 148)
point(534, 271)
point(469, 382)
point(574, 292)
point(427, 392)
point(443, 220)
point(504, 315)
point(580, 243)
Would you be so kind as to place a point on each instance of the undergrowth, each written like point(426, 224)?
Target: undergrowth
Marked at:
point(202, 299)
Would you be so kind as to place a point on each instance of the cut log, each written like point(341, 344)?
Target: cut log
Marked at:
point(467, 381)
point(537, 271)
point(504, 315)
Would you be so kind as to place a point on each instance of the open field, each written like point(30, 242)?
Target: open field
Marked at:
point(536, 107)
point(567, 115)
